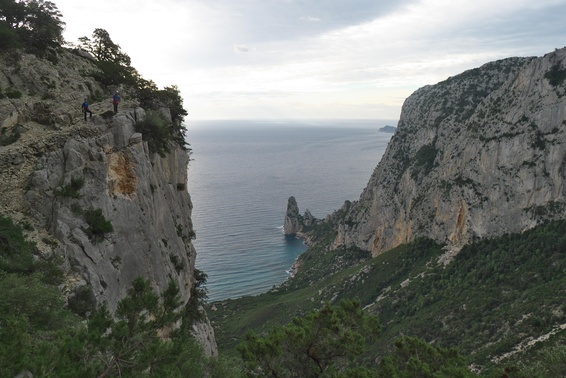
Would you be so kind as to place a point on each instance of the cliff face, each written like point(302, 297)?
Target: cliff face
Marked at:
point(143, 196)
point(478, 155)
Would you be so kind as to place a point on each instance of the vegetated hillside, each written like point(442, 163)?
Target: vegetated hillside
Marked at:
point(495, 297)
point(477, 155)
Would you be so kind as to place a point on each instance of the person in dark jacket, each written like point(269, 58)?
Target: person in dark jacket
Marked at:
point(86, 109)
point(115, 101)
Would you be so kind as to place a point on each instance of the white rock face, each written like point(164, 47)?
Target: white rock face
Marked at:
point(139, 195)
point(477, 155)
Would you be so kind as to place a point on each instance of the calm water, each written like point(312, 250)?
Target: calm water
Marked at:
point(241, 178)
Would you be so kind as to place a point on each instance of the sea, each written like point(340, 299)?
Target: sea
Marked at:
point(240, 177)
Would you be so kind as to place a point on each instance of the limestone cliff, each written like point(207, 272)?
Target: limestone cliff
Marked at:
point(143, 195)
point(480, 154)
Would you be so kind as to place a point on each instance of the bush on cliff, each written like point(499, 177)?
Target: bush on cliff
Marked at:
point(152, 98)
point(98, 225)
point(15, 252)
point(556, 76)
point(156, 132)
point(72, 189)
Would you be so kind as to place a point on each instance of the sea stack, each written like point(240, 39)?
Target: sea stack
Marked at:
point(292, 224)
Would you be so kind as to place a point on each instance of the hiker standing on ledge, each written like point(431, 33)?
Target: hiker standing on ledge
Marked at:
point(115, 102)
point(86, 109)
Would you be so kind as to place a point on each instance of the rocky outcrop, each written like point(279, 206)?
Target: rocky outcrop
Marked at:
point(388, 129)
point(309, 219)
point(64, 168)
point(292, 224)
point(204, 334)
point(295, 223)
point(477, 155)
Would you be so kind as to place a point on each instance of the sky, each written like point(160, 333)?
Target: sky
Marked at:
point(313, 59)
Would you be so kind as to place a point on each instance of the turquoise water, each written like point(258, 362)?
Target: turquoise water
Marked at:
point(241, 177)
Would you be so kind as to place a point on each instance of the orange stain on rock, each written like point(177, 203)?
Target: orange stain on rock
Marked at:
point(121, 177)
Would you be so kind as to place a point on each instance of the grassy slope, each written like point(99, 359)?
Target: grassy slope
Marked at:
point(495, 294)
point(364, 281)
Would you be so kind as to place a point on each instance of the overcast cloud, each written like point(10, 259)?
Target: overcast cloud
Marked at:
point(274, 59)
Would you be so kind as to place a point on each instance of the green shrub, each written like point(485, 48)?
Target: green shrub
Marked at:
point(199, 294)
point(42, 304)
point(107, 114)
point(83, 302)
point(556, 75)
point(50, 267)
point(48, 96)
point(97, 96)
point(13, 93)
point(50, 242)
point(153, 98)
point(548, 362)
point(424, 160)
point(15, 250)
point(116, 261)
point(156, 131)
point(71, 190)
point(178, 264)
point(98, 225)
point(26, 225)
point(413, 357)
point(77, 209)
point(16, 255)
point(9, 136)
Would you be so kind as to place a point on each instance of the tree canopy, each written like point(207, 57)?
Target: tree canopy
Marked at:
point(327, 341)
point(115, 65)
point(336, 341)
point(103, 48)
point(33, 24)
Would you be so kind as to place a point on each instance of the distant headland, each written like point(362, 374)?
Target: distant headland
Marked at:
point(388, 129)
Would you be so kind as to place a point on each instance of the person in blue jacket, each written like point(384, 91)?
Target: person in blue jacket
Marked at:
point(86, 109)
point(115, 101)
